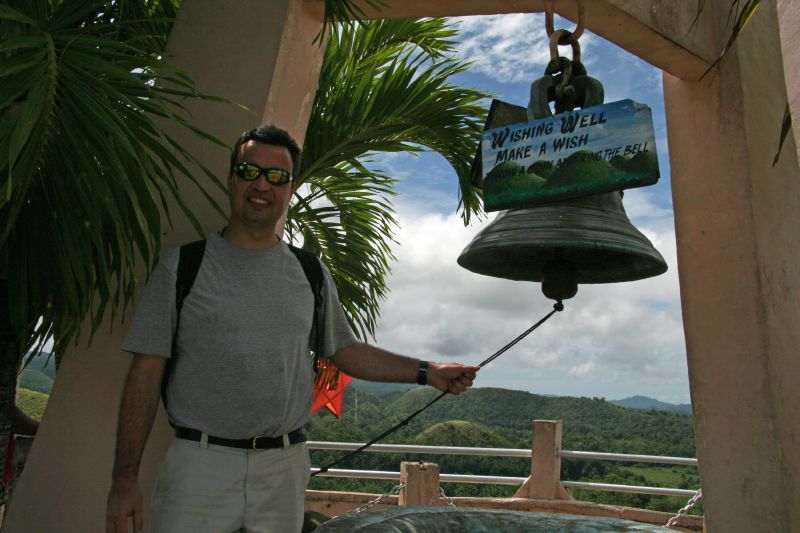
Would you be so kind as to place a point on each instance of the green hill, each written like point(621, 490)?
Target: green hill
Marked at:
point(505, 170)
point(457, 432)
point(35, 380)
point(44, 362)
point(641, 162)
point(502, 418)
point(542, 168)
point(581, 167)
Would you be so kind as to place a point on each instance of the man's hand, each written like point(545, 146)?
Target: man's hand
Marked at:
point(136, 413)
point(124, 502)
point(454, 378)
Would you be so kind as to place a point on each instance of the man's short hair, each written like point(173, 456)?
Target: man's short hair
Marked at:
point(269, 134)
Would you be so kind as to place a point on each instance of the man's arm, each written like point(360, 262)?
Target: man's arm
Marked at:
point(137, 411)
point(363, 361)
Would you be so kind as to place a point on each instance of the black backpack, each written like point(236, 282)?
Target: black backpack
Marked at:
point(189, 259)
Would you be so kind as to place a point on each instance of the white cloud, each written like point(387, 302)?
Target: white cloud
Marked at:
point(583, 369)
point(509, 48)
point(612, 340)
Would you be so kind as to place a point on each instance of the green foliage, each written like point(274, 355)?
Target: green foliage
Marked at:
point(35, 380)
point(85, 165)
point(383, 87)
point(506, 169)
point(641, 162)
point(32, 403)
point(44, 362)
point(581, 167)
point(344, 11)
point(456, 432)
point(542, 168)
point(501, 418)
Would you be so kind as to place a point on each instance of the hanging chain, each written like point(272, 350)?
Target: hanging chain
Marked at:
point(571, 36)
point(563, 70)
point(446, 498)
point(692, 502)
point(394, 491)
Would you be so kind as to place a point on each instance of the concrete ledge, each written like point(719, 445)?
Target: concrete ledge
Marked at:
point(331, 503)
point(656, 31)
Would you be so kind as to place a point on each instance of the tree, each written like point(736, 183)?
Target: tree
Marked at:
point(384, 86)
point(85, 169)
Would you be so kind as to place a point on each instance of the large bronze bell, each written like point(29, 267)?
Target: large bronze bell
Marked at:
point(561, 244)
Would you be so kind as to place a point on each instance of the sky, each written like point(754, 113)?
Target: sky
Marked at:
point(611, 341)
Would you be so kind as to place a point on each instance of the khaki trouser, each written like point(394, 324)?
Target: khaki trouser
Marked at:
point(217, 489)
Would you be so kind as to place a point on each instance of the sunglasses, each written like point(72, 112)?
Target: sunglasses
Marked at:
point(251, 172)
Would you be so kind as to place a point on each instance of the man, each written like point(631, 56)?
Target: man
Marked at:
point(242, 367)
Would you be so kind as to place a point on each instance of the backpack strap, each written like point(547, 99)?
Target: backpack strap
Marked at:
point(189, 258)
point(312, 267)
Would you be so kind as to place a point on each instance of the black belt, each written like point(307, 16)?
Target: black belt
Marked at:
point(253, 443)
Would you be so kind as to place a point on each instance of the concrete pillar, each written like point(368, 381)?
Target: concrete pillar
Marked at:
point(421, 482)
point(258, 54)
point(736, 222)
point(788, 16)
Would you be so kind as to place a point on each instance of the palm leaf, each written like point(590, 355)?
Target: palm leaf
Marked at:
point(786, 127)
point(85, 170)
point(344, 11)
point(384, 86)
point(741, 11)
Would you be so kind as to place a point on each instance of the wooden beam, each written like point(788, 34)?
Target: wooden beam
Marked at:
point(658, 31)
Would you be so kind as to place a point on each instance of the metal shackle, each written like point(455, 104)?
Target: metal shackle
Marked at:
point(572, 36)
point(564, 36)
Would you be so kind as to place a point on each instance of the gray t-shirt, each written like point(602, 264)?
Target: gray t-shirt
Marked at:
point(243, 365)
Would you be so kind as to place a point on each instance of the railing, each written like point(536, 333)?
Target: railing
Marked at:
point(505, 452)
point(543, 484)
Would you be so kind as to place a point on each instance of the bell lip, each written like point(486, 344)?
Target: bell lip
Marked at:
point(591, 235)
point(627, 266)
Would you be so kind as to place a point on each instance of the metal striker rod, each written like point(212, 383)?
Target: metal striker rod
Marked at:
point(556, 308)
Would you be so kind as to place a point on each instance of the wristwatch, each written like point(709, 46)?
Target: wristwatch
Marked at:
point(422, 374)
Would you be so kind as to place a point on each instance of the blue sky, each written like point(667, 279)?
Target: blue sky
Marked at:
point(612, 341)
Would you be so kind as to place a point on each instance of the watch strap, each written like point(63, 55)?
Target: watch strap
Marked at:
point(422, 374)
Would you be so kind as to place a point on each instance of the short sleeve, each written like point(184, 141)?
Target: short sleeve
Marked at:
point(336, 332)
point(154, 320)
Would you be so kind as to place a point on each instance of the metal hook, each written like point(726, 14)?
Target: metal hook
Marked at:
point(570, 37)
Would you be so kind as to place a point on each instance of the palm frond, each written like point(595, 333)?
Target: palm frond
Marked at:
point(85, 169)
point(346, 218)
point(344, 11)
point(380, 90)
point(741, 11)
point(384, 86)
point(786, 127)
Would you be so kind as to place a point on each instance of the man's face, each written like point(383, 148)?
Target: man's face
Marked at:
point(259, 204)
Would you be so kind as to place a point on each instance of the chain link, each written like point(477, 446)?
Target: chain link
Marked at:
point(394, 491)
point(446, 498)
point(692, 502)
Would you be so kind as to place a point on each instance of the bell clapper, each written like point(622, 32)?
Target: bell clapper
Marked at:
point(559, 283)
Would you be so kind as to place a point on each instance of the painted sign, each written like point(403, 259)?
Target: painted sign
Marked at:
point(587, 151)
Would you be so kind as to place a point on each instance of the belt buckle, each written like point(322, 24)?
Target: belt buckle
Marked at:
point(255, 443)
